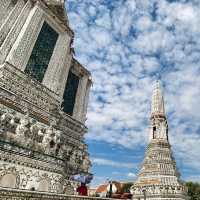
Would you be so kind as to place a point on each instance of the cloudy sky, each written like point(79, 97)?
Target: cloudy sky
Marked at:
point(127, 45)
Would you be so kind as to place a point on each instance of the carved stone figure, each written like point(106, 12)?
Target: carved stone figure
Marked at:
point(47, 141)
point(86, 164)
point(22, 129)
point(5, 121)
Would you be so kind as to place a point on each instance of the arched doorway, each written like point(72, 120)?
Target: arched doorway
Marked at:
point(43, 186)
point(8, 180)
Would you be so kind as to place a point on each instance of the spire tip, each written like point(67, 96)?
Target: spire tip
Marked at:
point(157, 100)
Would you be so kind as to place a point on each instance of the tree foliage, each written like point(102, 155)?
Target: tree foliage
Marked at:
point(126, 187)
point(193, 190)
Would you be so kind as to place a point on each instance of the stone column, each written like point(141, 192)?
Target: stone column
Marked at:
point(10, 19)
point(86, 101)
point(63, 77)
point(80, 99)
point(14, 32)
point(22, 48)
point(4, 10)
point(57, 66)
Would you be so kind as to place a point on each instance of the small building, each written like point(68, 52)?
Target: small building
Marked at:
point(92, 192)
point(101, 190)
point(104, 189)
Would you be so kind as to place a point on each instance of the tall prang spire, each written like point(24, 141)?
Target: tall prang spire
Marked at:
point(157, 106)
point(159, 126)
point(158, 178)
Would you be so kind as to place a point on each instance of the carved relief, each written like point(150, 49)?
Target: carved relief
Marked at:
point(26, 178)
point(159, 190)
point(28, 133)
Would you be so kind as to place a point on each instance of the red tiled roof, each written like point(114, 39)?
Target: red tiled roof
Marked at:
point(102, 188)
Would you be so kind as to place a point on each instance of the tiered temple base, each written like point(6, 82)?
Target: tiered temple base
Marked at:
point(24, 169)
point(158, 178)
point(159, 192)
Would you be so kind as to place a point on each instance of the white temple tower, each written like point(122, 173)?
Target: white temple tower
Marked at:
point(158, 177)
point(44, 94)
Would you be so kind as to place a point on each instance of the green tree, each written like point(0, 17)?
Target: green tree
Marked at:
point(193, 190)
point(126, 187)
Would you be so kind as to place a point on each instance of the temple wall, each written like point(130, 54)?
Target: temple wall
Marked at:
point(28, 178)
point(7, 194)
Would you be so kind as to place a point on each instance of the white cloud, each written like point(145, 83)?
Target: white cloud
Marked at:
point(92, 10)
point(144, 23)
point(183, 12)
point(106, 162)
point(101, 36)
point(194, 178)
point(104, 21)
point(131, 175)
point(125, 46)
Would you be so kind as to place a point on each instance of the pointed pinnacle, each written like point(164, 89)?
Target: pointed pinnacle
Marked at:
point(157, 107)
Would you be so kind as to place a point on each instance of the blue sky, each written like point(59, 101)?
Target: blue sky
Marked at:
point(127, 45)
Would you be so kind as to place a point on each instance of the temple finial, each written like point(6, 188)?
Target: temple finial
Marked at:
point(157, 107)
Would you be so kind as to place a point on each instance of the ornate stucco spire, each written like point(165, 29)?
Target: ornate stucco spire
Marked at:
point(157, 107)
point(158, 178)
point(159, 127)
